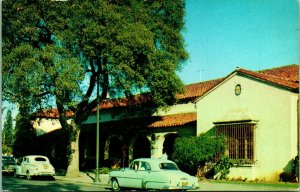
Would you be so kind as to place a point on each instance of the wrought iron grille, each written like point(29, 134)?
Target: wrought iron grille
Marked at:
point(240, 141)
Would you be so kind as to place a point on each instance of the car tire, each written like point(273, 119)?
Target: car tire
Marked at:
point(28, 176)
point(15, 174)
point(115, 185)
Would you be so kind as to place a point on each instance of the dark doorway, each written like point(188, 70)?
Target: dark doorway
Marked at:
point(169, 144)
point(141, 147)
point(115, 148)
point(114, 153)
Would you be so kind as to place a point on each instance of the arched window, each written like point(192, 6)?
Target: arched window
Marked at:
point(168, 146)
point(115, 148)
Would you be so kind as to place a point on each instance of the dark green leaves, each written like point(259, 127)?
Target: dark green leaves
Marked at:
point(50, 47)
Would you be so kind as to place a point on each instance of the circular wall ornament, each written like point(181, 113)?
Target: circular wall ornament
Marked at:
point(238, 89)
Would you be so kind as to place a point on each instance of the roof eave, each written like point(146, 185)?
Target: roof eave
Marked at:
point(293, 89)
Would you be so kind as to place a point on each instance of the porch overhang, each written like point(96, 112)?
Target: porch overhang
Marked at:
point(153, 122)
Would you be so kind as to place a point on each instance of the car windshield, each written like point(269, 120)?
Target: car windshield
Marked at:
point(7, 158)
point(168, 166)
point(8, 162)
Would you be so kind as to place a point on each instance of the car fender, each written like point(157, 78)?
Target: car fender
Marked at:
point(17, 169)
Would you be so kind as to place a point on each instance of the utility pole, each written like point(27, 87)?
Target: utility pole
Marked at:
point(97, 179)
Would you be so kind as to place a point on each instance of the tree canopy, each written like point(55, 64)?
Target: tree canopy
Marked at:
point(54, 51)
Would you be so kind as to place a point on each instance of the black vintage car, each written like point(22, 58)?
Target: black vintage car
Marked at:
point(8, 164)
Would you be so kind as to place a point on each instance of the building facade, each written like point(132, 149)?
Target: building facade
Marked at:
point(257, 111)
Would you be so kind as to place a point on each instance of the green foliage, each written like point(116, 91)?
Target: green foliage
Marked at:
point(56, 52)
point(222, 167)
point(190, 153)
point(295, 167)
point(102, 170)
point(8, 135)
point(25, 135)
point(133, 46)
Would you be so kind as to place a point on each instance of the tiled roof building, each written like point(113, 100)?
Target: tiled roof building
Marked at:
point(260, 120)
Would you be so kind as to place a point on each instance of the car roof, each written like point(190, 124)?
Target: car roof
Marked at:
point(154, 162)
point(34, 156)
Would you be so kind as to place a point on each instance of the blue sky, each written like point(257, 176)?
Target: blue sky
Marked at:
point(221, 35)
point(224, 34)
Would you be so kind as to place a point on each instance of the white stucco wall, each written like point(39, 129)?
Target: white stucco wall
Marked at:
point(274, 108)
point(46, 125)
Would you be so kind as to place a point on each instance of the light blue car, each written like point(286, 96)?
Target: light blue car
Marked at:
point(150, 173)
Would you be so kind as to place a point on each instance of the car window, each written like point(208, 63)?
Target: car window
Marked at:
point(19, 161)
point(168, 166)
point(134, 165)
point(8, 162)
point(145, 166)
point(40, 159)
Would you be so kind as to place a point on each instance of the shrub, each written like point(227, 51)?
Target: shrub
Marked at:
point(102, 170)
point(295, 168)
point(222, 168)
point(190, 153)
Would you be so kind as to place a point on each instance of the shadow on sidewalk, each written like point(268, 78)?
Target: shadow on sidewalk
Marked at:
point(88, 174)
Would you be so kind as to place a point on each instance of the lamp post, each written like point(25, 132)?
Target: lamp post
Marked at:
point(97, 179)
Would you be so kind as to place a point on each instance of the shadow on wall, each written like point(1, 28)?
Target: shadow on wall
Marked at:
point(290, 171)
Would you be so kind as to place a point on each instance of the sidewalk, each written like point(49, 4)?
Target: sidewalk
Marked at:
point(86, 178)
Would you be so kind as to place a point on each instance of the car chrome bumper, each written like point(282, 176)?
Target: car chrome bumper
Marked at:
point(43, 174)
point(7, 171)
point(166, 187)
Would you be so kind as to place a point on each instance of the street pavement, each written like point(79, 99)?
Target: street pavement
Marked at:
point(85, 177)
point(85, 182)
point(206, 185)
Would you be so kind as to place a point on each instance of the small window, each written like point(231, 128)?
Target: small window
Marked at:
point(40, 159)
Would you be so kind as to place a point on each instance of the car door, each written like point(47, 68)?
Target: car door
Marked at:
point(24, 165)
point(138, 174)
point(143, 173)
point(130, 176)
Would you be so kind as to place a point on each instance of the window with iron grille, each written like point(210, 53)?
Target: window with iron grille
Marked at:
point(240, 141)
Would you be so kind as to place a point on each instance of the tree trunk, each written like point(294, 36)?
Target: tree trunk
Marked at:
point(73, 166)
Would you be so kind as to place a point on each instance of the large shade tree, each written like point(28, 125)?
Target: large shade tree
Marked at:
point(56, 52)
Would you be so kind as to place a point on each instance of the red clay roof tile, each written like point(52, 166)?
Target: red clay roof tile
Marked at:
point(195, 90)
point(289, 72)
point(287, 76)
point(174, 120)
point(52, 113)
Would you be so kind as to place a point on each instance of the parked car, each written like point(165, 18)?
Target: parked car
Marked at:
point(34, 165)
point(8, 164)
point(150, 173)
